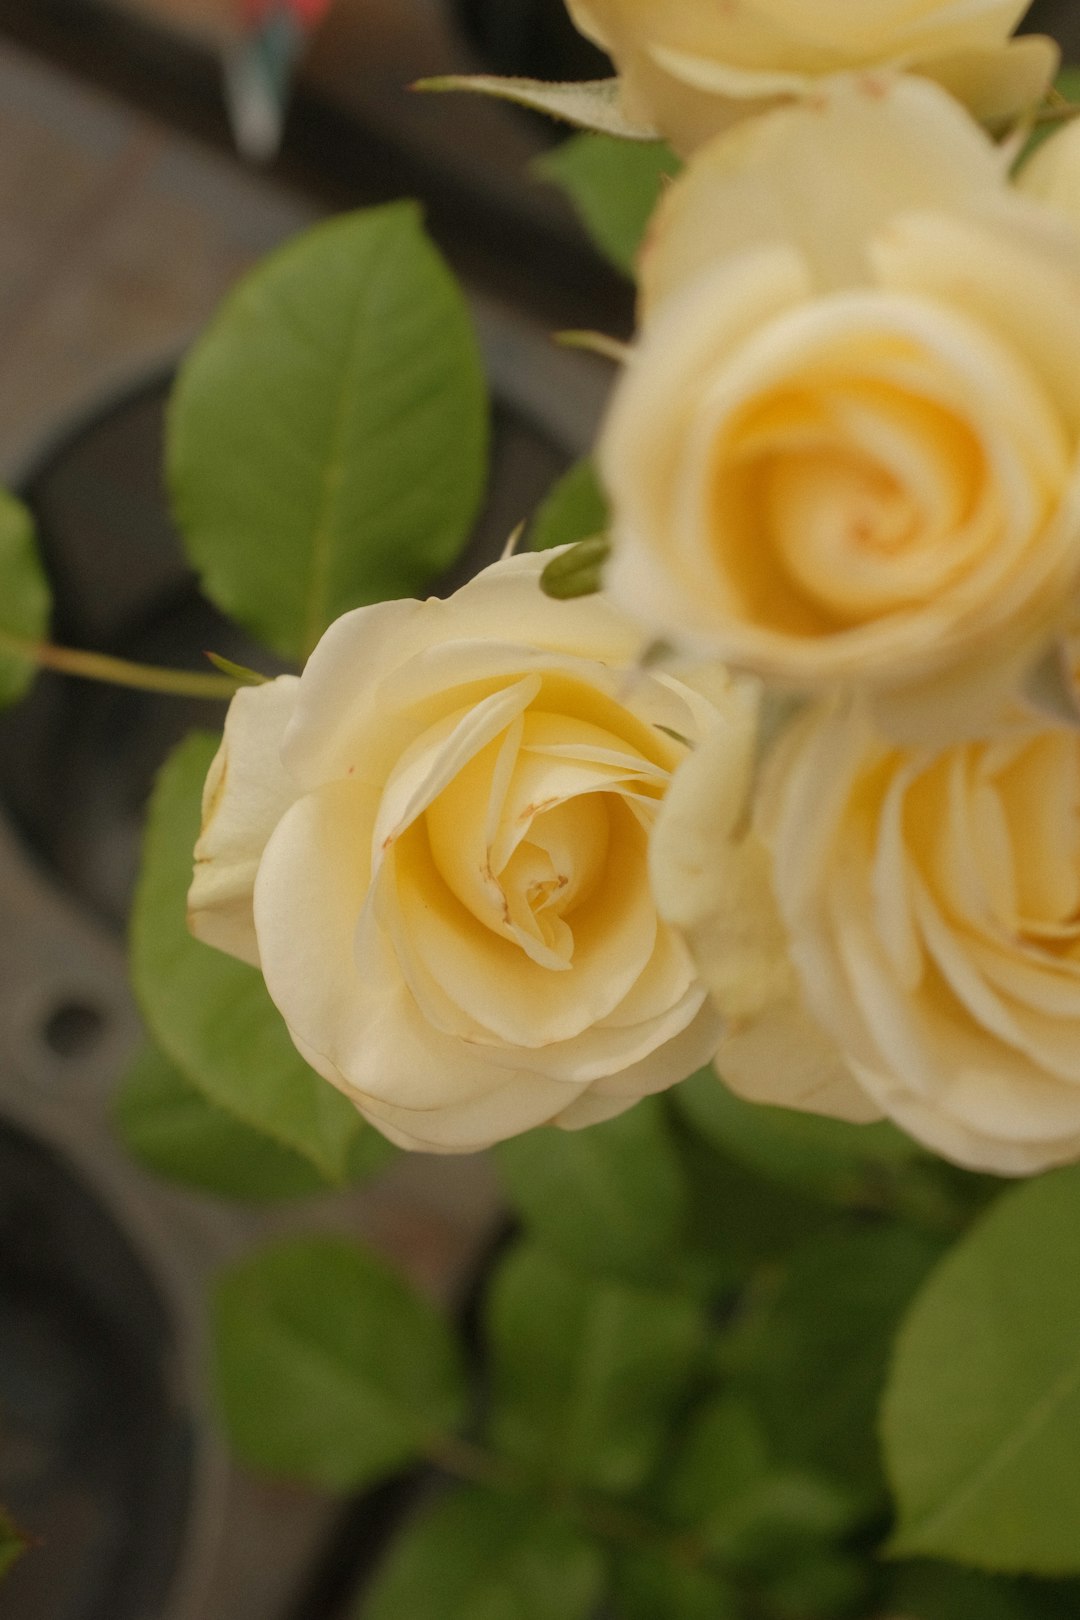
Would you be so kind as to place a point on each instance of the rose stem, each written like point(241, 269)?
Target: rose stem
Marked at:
point(91, 666)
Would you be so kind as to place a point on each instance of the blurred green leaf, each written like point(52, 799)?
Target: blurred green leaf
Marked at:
point(329, 1368)
point(982, 1413)
point(327, 437)
point(757, 1517)
point(614, 185)
point(723, 1456)
point(12, 1544)
point(169, 1126)
point(817, 1157)
point(577, 572)
point(739, 1221)
point(586, 1374)
point(25, 599)
point(610, 1200)
point(647, 1585)
point(943, 1592)
point(811, 1351)
point(210, 1014)
point(819, 1585)
point(476, 1556)
point(575, 509)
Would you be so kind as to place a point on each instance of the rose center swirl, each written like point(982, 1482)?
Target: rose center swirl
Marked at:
point(523, 834)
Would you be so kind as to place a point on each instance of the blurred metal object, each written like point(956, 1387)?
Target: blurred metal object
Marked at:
point(110, 1456)
point(259, 69)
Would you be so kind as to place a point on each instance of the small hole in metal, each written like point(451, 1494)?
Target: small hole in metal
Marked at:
point(73, 1029)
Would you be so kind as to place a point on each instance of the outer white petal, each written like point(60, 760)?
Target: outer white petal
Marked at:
point(247, 792)
point(711, 875)
point(1053, 175)
point(785, 1059)
point(821, 178)
point(357, 706)
point(999, 84)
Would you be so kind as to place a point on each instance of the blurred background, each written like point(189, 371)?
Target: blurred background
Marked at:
point(126, 213)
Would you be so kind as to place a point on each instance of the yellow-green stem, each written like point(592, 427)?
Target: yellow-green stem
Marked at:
point(91, 666)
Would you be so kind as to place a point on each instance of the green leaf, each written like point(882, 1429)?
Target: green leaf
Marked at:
point(1067, 84)
point(614, 185)
point(239, 672)
point(811, 1355)
point(983, 1409)
point(586, 1375)
point(609, 1200)
point(328, 435)
point(577, 572)
point(820, 1158)
point(588, 103)
point(477, 1556)
point(724, 1454)
point(211, 1015)
point(167, 1124)
point(941, 1592)
point(12, 1544)
point(25, 599)
point(329, 1369)
point(749, 1511)
point(739, 1221)
point(576, 509)
point(648, 1585)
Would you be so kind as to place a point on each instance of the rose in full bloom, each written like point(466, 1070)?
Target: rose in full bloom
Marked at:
point(898, 933)
point(692, 67)
point(434, 844)
point(846, 447)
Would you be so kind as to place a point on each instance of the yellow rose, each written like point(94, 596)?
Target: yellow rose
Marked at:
point(434, 844)
point(847, 445)
point(906, 935)
point(690, 68)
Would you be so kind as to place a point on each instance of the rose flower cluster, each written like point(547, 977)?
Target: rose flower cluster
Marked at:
point(499, 868)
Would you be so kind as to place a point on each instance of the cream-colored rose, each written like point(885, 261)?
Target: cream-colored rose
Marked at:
point(846, 447)
point(690, 68)
point(905, 937)
point(434, 844)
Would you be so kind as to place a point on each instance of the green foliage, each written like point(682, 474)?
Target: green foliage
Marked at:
point(25, 600)
point(766, 1524)
point(477, 1556)
point(169, 1126)
point(577, 572)
point(648, 1585)
point(614, 185)
point(575, 509)
point(211, 1015)
point(739, 1222)
point(609, 1200)
point(12, 1544)
point(811, 1346)
point(327, 440)
point(943, 1592)
point(983, 1408)
point(587, 1375)
point(329, 1368)
point(820, 1158)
